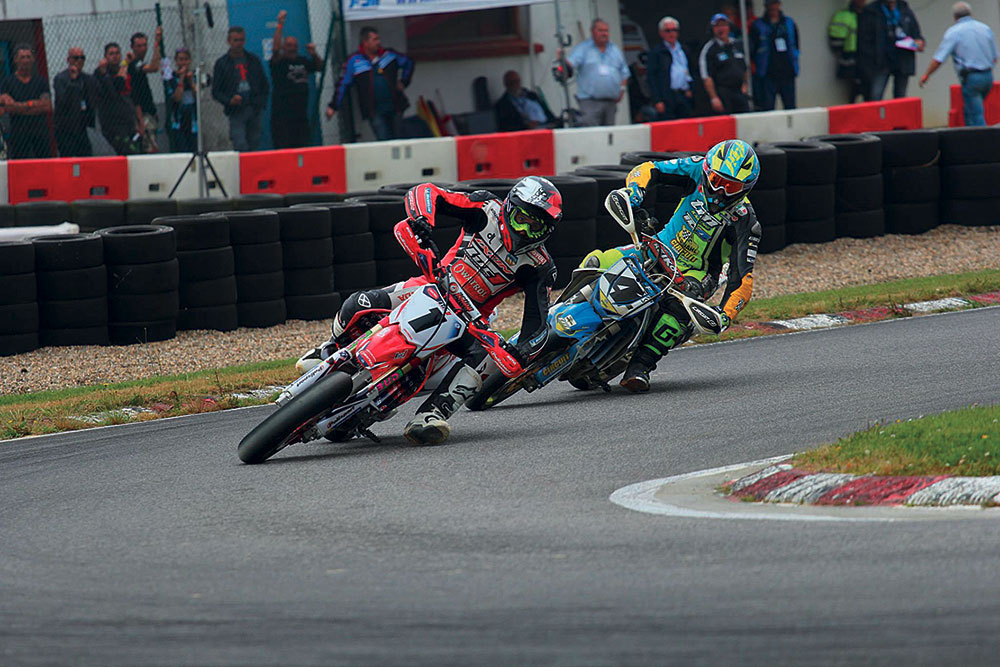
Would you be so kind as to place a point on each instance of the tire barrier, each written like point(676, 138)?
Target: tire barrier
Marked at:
point(18, 298)
point(307, 254)
point(968, 167)
point(203, 205)
point(143, 279)
point(72, 289)
point(144, 211)
point(912, 180)
point(207, 280)
point(41, 213)
point(858, 199)
point(768, 198)
point(94, 214)
point(8, 216)
point(258, 201)
point(258, 262)
point(810, 194)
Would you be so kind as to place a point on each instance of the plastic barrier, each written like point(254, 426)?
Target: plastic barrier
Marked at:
point(3, 182)
point(66, 179)
point(315, 169)
point(764, 126)
point(903, 114)
point(372, 164)
point(693, 134)
point(154, 176)
point(991, 107)
point(596, 145)
point(507, 155)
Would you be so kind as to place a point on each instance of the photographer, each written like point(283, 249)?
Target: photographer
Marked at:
point(115, 109)
point(182, 104)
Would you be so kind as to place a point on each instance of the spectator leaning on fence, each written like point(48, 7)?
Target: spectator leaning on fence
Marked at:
point(25, 96)
point(973, 48)
point(380, 75)
point(774, 43)
point(888, 39)
point(601, 75)
point(138, 78)
point(182, 105)
point(669, 73)
point(520, 109)
point(843, 33)
point(290, 74)
point(240, 86)
point(723, 68)
point(115, 110)
point(76, 106)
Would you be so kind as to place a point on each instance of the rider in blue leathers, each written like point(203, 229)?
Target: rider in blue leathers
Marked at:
point(713, 223)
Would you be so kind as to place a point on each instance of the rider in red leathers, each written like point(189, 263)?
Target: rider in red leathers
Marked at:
point(500, 253)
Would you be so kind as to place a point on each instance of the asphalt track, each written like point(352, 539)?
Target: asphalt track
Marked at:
point(152, 544)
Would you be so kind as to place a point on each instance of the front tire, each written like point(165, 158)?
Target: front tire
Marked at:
point(283, 426)
point(495, 389)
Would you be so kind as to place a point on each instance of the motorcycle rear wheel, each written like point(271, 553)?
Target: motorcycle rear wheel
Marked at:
point(283, 427)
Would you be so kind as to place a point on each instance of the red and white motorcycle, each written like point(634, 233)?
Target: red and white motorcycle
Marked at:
point(364, 382)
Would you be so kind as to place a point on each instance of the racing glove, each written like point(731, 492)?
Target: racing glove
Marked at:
point(424, 233)
point(700, 289)
point(724, 319)
point(636, 194)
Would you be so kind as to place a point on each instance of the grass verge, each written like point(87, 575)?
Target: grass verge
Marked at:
point(962, 442)
point(205, 391)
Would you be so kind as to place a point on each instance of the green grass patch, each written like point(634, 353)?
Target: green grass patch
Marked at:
point(962, 442)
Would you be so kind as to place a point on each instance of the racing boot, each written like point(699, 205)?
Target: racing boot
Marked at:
point(312, 358)
point(430, 425)
point(636, 378)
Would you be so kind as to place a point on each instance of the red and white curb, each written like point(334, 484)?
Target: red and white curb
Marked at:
point(824, 320)
point(781, 483)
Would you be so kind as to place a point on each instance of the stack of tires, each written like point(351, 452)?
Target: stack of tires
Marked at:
point(392, 264)
point(296, 198)
point(207, 272)
point(811, 192)
point(307, 254)
point(447, 228)
point(661, 199)
point(258, 200)
point(970, 172)
point(72, 289)
point(41, 213)
point(768, 198)
point(143, 280)
point(18, 298)
point(255, 237)
point(608, 233)
point(858, 202)
point(145, 211)
point(576, 234)
point(201, 205)
point(354, 256)
point(912, 180)
point(94, 214)
point(8, 215)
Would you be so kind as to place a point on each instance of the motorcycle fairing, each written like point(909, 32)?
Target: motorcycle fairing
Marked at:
point(624, 288)
point(425, 323)
point(574, 320)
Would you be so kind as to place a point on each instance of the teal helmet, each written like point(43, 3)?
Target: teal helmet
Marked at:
point(731, 170)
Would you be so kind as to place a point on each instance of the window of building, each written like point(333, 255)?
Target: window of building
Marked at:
point(484, 33)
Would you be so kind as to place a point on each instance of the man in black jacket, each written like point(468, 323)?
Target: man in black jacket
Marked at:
point(240, 86)
point(520, 109)
point(669, 73)
point(723, 68)
point(76, 104)
point(888, 39)
point(119, 123)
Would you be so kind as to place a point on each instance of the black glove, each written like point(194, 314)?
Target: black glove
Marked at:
point(424, 233)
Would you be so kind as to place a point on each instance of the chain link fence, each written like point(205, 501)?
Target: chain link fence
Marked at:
point(184, 24)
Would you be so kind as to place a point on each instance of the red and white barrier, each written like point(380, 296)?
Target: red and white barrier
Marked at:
point(67, 179)
point(371, 164)
point(575, 147)
point(902, 114)
point(692, 134)
point(506, 155)
point(991, 107)
point(316, 169)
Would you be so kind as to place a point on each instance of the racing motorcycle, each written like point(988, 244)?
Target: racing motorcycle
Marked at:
point(387, 365)
point(599, 319)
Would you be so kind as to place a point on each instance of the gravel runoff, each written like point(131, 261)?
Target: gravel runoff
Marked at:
point(797, 268)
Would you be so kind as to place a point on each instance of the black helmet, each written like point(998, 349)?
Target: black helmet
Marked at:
point(530, 213)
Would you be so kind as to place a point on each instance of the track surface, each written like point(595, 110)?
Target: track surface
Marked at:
point(152, 544)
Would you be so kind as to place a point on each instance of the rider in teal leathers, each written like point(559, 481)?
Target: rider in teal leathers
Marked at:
point(713, 223)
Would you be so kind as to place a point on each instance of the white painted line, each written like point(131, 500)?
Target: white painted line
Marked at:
point(641, 497)
point(820, 321)
point(950, 303)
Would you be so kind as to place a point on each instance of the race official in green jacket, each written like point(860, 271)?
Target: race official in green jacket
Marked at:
point(843, 35)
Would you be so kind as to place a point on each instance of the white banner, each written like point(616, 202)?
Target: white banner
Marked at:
point(357, 10)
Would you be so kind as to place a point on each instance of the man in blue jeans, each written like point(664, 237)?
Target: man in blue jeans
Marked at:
point(973, 48)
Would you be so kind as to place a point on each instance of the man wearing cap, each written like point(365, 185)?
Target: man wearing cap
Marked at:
point(973, 48)
point(668, 73)
point(774, 43)
point(723, 69)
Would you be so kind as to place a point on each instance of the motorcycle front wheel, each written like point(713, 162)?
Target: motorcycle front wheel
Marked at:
point(285, 425)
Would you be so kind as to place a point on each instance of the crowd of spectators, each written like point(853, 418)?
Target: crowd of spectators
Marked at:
point(732, 69)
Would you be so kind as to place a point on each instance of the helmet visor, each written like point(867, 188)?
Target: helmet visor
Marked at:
point(731, 187)
point(528, 225)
